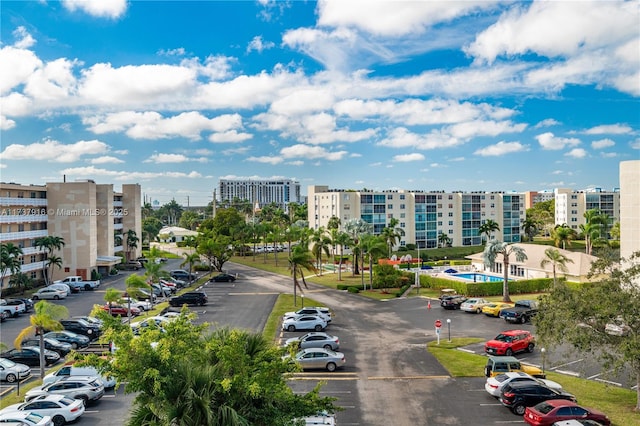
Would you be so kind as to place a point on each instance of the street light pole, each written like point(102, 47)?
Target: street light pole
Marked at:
point(449, 328)
point(542, 351)
point(302, 297)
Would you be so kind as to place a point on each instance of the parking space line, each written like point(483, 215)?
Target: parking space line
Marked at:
point(568, 373)
point(609, 382)
point(594, 376)
point(568, 363)
point(407, 377)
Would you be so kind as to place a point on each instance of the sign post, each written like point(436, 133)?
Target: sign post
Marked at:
point(438, 325)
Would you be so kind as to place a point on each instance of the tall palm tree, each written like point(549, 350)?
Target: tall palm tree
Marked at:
point(557, 260)
point(488, 228)
point(373, 247)
point(530, 227)
point(20, 281)
point(46, 317)
point(300, 258)
point(444, 239)
point(132, 242)
point(50, 243)
point(321, 245)
point(52, 261)
point(9, 261)
point(146, 210)
point(591, 232)
point(392, 234)
point(356, 228)
point(491, 252)
point(342, 239)
point(563, 235)
point(190, 259)
point(134, 283)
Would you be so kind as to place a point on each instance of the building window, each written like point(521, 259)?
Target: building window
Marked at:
point(451, 197)
point(450, 214)
point(20, 227)
point(450, 231)
point(402, 206)
point(402, 225)
point(402, 215)
point(390, 206)
point(450, 206)
point(439, 223)
point(439, 206)
point(389, 196)
point(402, 196)
point(450, 223)
point(439, 214)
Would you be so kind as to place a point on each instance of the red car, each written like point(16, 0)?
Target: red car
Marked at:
point(556, 410)
point(121, 311)
point(510, 342)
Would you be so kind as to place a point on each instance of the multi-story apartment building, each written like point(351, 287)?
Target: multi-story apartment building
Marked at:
point(570, 205)
point(531, 198)
point(629, 209)
point(91, 218)
point(261, 192)
point(422, 215)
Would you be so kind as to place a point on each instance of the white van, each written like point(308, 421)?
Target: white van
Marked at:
point(72, 370)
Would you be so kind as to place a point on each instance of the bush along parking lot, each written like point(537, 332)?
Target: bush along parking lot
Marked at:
point(616, 402)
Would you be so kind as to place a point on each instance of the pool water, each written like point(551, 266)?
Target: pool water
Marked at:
point(476, 277)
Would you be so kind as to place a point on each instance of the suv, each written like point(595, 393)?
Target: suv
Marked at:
point(503, 364)
point(510, 342)
point(70, 370)
point(520, 395)
point(86, 388)
point(133, 265)
point(181, 274)
point(189, 298)
point(319, 311)
point(82, 327)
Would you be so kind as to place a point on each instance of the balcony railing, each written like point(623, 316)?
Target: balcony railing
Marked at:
point(26, 218)
point(14, 201)
point(23, 235)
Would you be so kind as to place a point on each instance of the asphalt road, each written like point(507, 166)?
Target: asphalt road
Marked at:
point(389, 377)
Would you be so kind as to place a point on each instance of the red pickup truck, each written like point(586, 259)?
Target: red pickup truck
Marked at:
point(510, 342)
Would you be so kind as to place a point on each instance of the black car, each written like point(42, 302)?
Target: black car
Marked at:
point(223, 278)
point(51, 344)
point(189, 298)
point(181, 274)
point(518, 396)
point(30, 356)
point(79, 326)
point(452, 302)
point(75, 340)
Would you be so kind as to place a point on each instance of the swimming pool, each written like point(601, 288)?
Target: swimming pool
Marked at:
point(477, 277)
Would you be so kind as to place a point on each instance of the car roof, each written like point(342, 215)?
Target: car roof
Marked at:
point(50, 397)
point(560, 402)
point(512, 332)
point(77, 379)
point(504, 358)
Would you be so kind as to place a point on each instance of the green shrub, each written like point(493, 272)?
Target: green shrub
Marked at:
point(352, 289)
point(360, 287)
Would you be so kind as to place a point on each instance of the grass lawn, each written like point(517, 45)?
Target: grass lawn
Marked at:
point(616, 402)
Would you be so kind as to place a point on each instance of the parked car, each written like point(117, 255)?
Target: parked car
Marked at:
point(60, 408)
point(12, 371)
point(493, 309)
point(510, 342)
point(584, 422)
point(142, 294)
point(74, 339)
point(64, 287)
point(30, 356)
point(159, 321)
point(51, 344)
point(79, 326)
point(518, 396)
point(474, 305)
point(121, 310)
point(223, 278)
point(132, 265)
point(86, 388)
point(320, 311)
point(91, 320)
point(142, 305)
point(24, 418)
point(503, 364)
point(49, 293)
point(521, 312)
point(452, 302)
point(548, 412)
point(315, 339)
point(304, 322)
point(189, 298)
point(28, 303)
point(495, 384)
point(19, 306)
point(160, 290)
point(181, 274)
point(70, 369)
point(77, 283)
point(313, 358)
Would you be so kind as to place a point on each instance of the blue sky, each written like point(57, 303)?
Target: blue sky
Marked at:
point(470, 96)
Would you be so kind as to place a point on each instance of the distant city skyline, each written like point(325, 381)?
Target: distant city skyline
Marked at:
point(447, 96)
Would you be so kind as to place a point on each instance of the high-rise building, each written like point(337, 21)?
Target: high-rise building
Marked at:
point(570, 205)
point(423, 215)
point(91, 218)
point(261, 192)
point(629, 208)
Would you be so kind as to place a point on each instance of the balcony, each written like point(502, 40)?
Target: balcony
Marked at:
point(34, 266)
point(26, 218)
point(14, 201)
point(24, 235)
point(118, 226)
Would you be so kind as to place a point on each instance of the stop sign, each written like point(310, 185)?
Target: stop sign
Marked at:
point(438, 323)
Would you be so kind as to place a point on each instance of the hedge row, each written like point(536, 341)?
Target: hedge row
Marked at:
point(537, 285)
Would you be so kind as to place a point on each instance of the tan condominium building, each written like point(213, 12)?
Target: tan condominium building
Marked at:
point(571, 205)
point(629, 208)
point(423, 216)
point(92, 219)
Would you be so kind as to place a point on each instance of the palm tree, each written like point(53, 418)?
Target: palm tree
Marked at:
point(530, 227)
point(557, 260)
point(373, 247)
point(300, 258)
point(112, 296)
point(50, 263)
point(21, 281)
point(146, 210)
point(444, 239)
point(591, 232)
point(46, 317)
point(190, 259)
point(563, 235)
point(342, 239)
point(321, 244)
point(132, 242)
point(9, 261)
point(488, 227)
point(356, 228)
point(491, 252)
point(50, 243)
point(392, 235)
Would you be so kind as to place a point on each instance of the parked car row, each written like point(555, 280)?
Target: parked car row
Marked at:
point(14, 307)
point(518, 312)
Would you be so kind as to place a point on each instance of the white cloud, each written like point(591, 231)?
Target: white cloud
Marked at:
point(549, 141)
point(259, 45)
point(5, 123)
point(405, 158)
point(602, 143)
point(180, 51)
point(22, 64)
point(266, 159)
point(311, 153)
point(611, 129)
point(577, 153)
point(167, 158)
point(608, 154)
point(547, 122)
point(501, 148)
point(230, 136)
point(24, 40)
point(54, 151)
point(106, 159)
point(121, 175)
point(99, 8)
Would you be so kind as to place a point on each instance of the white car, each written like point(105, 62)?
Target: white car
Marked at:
point(319, 311)
point(86, 388)
point(49, 293)
point(11, 371)
point(304, 322)
point(60, 286)
point(73, 370)
point(26, 418)
point(494, 385)
point(143, 305)
point(160, 321)
point(475, 304)
point(60, 408)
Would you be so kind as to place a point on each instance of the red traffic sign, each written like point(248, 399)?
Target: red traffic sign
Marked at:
point(438, 323)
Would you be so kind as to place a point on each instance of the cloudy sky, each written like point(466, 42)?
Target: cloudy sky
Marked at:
point(470, 95)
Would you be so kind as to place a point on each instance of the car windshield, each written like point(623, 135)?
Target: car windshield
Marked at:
point(7, 363)
point(504, 338)
point(544, 407)
point(66, 401)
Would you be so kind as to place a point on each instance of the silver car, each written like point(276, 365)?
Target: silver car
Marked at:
point(11, 371)
point(315, 339)
point(320, 358)
point(86, 388)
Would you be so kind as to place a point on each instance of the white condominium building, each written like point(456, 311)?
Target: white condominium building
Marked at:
point(261, 192)
point(571, 205)
point(91, 218)
point(422, 215)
